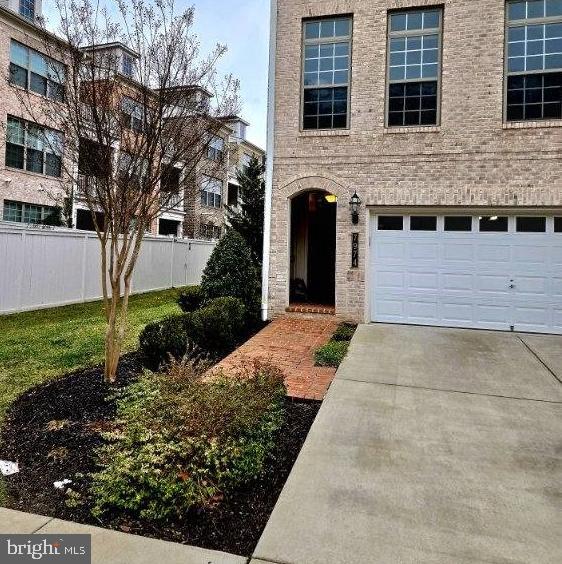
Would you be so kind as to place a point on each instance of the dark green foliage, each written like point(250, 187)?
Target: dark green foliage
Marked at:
point(217, 327)
point(162, 339)
point(212, 331)
point(344, 332)
point(190, 298)
point(185, 440)
point(247, 218)
point(331, 354)
point(230, 271)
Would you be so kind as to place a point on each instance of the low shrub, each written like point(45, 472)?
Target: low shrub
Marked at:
point(217, 327)
point(184, 440)
point(190, 298)
point(331, 354)
point(344, 332)
point(212, 331)
point(162, 339)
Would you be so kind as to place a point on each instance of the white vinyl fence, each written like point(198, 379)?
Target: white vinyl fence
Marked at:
point(41, 267)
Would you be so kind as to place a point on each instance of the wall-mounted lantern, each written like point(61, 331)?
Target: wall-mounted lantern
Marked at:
point(354, 204)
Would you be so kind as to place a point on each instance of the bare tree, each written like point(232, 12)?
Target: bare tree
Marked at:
point(135, 108)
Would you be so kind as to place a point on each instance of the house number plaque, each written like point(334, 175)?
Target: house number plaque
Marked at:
point(354, 250)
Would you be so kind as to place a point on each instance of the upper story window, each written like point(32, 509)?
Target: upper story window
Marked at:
point(245, 161)
point(534, 60)
point(33, 148)
point(128, 65)
point(215, 149)
point(211, 192)
point(326, 73)
point(36, 72)
point(414, 67)
point(27, 9)
point(132, 114)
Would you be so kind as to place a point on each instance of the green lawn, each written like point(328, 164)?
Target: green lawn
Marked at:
point(38, 345)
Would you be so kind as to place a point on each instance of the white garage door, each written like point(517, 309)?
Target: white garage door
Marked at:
point(490, 272)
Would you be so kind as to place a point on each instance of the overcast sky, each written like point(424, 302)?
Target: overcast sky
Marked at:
point(243, 25)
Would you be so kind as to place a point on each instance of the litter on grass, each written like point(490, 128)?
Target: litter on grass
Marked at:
point(7, 467)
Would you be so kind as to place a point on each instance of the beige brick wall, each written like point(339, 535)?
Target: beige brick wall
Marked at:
point(471, 158)
point(15, 184)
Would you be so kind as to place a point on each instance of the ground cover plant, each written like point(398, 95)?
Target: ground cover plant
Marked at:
point(182, 439)
point(334, 351)
point(40, 345)
point(54, 431)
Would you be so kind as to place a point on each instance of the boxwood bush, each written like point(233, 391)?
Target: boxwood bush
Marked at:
point(184, 440)
point(231, 271)
point(190, 298)
point(212, 331)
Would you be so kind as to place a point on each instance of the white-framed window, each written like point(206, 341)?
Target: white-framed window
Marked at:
point(27, 9)
point(211, 192)
point(215, 149)
point(132, 113)
point(22, 212)
point(33, 147)
point(413, 67)
point(245, 161)
point(128, 65)
point(533, 60)
point(326, 73)
point(36, 72)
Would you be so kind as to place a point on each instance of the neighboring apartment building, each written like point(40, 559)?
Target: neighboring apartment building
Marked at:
point(240, 153)
point(30, 173)
point(30, 181)
point(444, 119)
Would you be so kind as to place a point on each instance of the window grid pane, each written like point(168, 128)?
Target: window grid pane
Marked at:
point(326, 73)
point(413, 68)
point(534, 60)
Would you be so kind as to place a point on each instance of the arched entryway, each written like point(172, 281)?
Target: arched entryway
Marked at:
point(313, 248)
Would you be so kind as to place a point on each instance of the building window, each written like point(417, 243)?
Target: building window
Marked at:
point(390, 223)
point(27, 213)
point(458, 223)
point(414, 68)
point(27, 9)
point(493, 223)
point(530, 224)
point(232, 195)
point(33, 148)
point(215, 149)
point(326, 73)
point(245, 161)
point(423, 223)
point(34, 71)
point(211, 192)
point(132, 114)
point(534, 60)
point(209, 231)
point(128, 66)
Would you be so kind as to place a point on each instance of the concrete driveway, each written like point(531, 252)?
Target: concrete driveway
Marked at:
point(432, 446)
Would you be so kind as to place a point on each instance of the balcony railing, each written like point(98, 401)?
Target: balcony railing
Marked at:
point(173, 201)
point(85, 183)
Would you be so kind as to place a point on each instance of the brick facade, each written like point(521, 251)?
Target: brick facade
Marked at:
point(19, 185)
point(472, 158)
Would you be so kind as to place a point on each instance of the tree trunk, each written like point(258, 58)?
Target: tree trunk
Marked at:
point(113, 339)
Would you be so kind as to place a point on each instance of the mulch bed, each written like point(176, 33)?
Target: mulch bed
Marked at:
point(53, 429)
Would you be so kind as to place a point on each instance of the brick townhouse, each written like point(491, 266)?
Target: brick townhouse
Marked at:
point(30, 177)
point(416, 173)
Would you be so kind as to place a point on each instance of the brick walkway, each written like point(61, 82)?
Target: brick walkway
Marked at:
point(289, 342)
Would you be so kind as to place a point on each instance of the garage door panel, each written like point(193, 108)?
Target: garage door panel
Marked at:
point(423, 281)
point(464, 279)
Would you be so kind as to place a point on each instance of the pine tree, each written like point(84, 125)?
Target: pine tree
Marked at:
point(247, 218)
